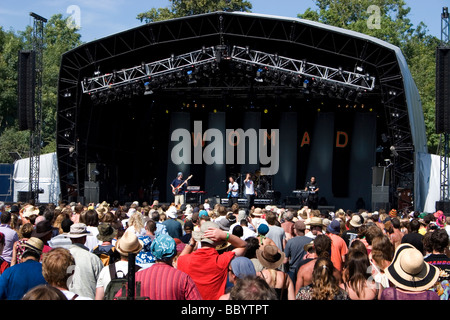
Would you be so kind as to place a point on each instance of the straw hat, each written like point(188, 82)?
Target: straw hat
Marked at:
point(35, 244)
point(356, 221)
point(270, 257)
point(30, 211)
point(257, 212)
point(409, 271)
point(129, 243)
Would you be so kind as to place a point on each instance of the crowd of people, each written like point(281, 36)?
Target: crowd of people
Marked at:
point(74, 251)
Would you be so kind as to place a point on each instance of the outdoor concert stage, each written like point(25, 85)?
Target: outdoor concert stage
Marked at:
point(309, 99)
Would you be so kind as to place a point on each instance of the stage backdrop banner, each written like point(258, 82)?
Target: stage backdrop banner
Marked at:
point(343, 130)
point(305, 132)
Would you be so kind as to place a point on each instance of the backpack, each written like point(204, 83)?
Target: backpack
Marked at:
point(116, 282)
point(108, 257)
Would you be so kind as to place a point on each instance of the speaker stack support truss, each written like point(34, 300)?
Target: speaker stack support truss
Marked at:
point(443, 111)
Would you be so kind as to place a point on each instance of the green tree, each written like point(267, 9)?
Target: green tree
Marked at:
point(58, 38)
point(396, 28)
point(182, 8)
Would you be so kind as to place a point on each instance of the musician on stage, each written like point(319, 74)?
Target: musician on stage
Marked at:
point(250, 192)
point(313, 197)
point(179, 194)
point(233, 191)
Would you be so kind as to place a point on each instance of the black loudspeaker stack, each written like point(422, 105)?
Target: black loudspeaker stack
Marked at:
point(26, 89)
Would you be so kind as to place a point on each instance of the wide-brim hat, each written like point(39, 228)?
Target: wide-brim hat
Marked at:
point(308, 246)
point(270, 257)
point(356, 221)
point(77, 230)
point(106, 232)
point(199, 235)
point(315, 221)
point(30, 211)
point(409, 271)
point(257, 212)
point(129, 243)
point(42, 229)
point(35, 244)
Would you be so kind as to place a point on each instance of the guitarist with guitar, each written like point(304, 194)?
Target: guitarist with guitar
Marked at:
point(179, 187)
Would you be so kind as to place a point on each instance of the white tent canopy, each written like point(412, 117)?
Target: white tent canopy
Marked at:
point(48, 178)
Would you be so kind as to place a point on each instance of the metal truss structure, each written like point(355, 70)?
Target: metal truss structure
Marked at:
point(36, 132)
point(445, 137)
point(148, 72)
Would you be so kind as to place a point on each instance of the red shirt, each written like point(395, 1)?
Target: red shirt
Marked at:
point(164, 282)
point(338, 250)
point(208, 269)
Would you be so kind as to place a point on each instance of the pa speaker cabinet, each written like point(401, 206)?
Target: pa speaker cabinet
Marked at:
point(442, 114)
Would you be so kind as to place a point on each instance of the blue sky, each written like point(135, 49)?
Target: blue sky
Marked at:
point(100, 18)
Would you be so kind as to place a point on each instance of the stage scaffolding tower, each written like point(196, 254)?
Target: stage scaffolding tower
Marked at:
point(37, 38)
point(445, 137)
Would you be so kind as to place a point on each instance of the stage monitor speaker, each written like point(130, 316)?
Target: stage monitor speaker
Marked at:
point(24, 196)
point(442, 113)
point(380, 198)
point(91, 192)
point(444, 206)
point(26, 89)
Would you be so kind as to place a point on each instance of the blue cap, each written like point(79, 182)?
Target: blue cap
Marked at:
point(263, 229)
point(203, 213)
point(163, 247)
point(242, 266)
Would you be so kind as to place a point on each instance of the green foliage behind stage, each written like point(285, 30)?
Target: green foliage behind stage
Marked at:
point(58, 39)
point(394, 26)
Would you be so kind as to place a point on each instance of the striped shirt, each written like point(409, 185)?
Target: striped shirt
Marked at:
point(163, 282)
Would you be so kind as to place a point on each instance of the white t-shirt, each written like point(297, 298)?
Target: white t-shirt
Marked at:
point(249, 187)
point(234, 188)
point(104, 278)
point(91, 240)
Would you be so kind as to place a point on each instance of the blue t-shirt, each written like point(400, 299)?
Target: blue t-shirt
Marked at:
point(174, 228)
point(176, 182)
point(19, 279)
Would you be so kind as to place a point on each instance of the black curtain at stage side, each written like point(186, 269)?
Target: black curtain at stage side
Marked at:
point(285, 179)
point(321, 157)
point(363, 155)
point(343, 133)
point(215, 174)
point(177, 159)
point(305, 134)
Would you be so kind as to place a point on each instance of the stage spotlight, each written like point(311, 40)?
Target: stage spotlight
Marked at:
point(94, 98)
point(359, 69)
point(394, 152)
point(67, 94)
point(258, 75)
point(191, 79)
point(379, 149)
point(305, 83)
point(148, 89)
point(266, 111)
point(350, 94)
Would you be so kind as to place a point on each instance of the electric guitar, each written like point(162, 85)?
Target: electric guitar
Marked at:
point(175, 190)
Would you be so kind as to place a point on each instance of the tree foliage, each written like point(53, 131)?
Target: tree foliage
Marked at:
point(182, 8)
point(396, 28)
point(58, 38)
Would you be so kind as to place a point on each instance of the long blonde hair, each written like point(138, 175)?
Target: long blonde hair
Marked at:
point(137, 221)
point(324, 284)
